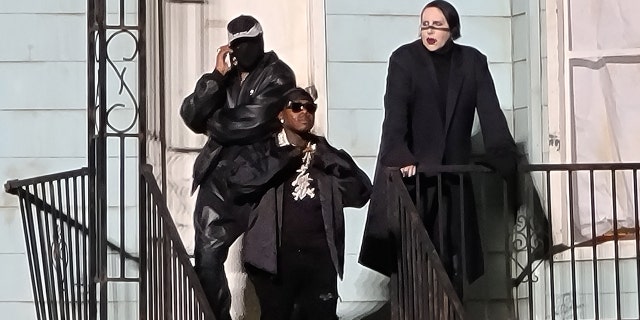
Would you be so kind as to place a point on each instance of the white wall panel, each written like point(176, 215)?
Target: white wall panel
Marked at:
point(521, 84)
point(62, 40)
point(52, 133)
point(521, 124)
point(490, 35)
point(356, 85)
point(354, 220)
point(15, 278)
point(18, 310)
point(383, 7)
point(368, 38)
point(520, 25)
point(502, 77)
point(360, 283)
point(11, 235)
point(356, 131)
point(43, 85)
point(43, 6)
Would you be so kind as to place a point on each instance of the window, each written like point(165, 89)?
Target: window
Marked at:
point(595, 115)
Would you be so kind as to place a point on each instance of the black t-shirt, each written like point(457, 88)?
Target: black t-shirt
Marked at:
point(302, 222)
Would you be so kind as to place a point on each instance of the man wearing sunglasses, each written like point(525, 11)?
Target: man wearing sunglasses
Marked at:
point(293, 249)
point(236, 106)
point(296, 107)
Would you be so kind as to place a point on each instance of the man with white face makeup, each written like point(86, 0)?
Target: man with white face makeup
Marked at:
point(434, 86)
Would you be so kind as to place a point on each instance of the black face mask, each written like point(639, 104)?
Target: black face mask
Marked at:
point(247, 53)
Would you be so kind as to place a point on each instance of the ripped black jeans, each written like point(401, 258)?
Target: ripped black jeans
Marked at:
point(305, 287)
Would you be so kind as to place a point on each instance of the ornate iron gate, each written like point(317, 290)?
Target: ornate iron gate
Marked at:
point(116, 122)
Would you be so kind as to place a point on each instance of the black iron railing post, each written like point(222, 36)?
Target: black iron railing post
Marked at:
point(462, 260)
point(594, 249)
point(636, 212)
point(616, 247)
point(34, 268)
point(394, 281)
point(142, 159)
point(551, 256)
point(168, 260)
point(143, 287)
point(92, 46)
point(421, 288)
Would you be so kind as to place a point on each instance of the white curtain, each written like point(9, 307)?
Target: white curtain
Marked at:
point(605, 107)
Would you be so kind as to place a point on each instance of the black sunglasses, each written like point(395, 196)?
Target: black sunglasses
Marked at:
point(297, 106)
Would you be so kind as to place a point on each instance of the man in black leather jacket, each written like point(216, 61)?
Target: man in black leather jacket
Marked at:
point(293, 248)
point(236, 107)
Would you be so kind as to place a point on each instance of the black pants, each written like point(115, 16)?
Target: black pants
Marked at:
point(306, 282)
point(217, 225)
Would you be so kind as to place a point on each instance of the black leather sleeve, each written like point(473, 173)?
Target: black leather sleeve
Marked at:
point(257, 119)
point(353, 183)
point(208, 96)
point(261, 166)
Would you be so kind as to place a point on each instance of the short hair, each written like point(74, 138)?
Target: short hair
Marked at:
point(450, 13)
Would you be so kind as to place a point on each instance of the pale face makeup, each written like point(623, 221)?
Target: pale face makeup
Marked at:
point(434, 29)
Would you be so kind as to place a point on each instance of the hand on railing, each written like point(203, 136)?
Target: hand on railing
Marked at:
point(408, 171)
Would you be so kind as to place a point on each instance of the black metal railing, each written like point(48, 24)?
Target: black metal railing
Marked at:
point(571, 244)
point(62, 245)
point(575, 268)
point(420, 289)
point(170, 286)
point(592, 268)
point(59, 243)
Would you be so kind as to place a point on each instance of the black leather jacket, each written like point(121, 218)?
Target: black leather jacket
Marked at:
point(340, 183)
point(235, 121)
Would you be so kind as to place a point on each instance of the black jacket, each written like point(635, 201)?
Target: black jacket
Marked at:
point(413, 132)
point(341, 184)
point(235, 121)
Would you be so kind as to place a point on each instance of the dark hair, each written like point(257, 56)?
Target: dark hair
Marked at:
point(450, 13)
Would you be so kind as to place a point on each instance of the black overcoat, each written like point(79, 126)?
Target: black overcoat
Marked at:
point(414, 132)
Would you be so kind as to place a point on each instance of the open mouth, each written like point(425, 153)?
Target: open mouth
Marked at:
point(431, 41)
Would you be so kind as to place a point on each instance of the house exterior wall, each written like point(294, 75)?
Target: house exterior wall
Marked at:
point(43, 94)
point(42, 119)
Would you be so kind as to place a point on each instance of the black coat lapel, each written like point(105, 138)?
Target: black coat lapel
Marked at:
point(456, 78)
